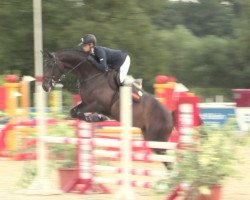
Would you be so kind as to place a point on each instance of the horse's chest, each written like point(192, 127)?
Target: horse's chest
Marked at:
point(87, 96)
point(90, 95)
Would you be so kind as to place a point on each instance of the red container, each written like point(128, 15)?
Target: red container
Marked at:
point(242, 97)
point(66, 176)
point(216, 193)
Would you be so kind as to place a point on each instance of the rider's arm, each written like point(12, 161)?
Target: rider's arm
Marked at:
point(102, 64)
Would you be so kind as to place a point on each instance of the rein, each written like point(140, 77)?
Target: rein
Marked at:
point(95, 75)
point(63, 76)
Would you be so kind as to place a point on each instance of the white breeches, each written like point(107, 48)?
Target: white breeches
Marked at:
point(124, 69)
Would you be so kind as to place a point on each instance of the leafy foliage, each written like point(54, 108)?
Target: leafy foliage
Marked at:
point(203, 18)
point(203, 44)
point(64, 155)
point(60, 155)
point(214, 159)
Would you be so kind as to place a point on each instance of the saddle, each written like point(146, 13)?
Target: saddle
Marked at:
point(137, 91)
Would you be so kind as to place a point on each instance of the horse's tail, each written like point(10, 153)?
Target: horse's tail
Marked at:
point(160, 124)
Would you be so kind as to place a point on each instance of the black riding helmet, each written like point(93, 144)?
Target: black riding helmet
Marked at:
point(87, 39)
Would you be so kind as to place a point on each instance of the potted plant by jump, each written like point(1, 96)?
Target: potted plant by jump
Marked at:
point(63, 156)
point(206, 168)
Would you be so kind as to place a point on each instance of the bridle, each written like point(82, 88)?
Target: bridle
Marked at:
point(64, 75)
point(53, 81)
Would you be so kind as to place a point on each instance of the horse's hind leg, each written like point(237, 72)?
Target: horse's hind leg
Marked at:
point(168, 165)
point(159, 134)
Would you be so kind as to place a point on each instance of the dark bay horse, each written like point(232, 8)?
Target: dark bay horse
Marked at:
point(100, 93)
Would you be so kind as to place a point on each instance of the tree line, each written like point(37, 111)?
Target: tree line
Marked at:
point(203, 44)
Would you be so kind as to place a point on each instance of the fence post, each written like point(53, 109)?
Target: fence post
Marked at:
point(126, 192)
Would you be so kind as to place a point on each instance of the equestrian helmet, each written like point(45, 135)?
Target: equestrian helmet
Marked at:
point(87, 39)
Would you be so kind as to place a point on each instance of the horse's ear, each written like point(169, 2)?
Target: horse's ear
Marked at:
point(47, 54)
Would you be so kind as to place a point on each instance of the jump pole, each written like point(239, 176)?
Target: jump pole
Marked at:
point(40, 182)
point(40, 185)
point(126, 192)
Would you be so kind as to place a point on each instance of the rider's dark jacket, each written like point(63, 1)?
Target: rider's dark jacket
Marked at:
point(103, 58)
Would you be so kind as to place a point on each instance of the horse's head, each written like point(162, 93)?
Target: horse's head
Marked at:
point(72, 60)
point(52, 72)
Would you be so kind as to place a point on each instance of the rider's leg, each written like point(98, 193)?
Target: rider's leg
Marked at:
point(124, 69)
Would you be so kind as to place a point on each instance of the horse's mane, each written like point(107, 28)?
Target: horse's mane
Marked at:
point(73, 52)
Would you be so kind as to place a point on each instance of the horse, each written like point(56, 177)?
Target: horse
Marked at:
point(99, 93)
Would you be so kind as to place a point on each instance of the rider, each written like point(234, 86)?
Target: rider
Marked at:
point(103, 57)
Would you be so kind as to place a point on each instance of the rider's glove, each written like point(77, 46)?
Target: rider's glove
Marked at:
point(90, 58)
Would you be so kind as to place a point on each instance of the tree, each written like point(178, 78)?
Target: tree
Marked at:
point(203, 18)
point(162, 37)
point(16, 36)
point(242, 49)
point(200, 62)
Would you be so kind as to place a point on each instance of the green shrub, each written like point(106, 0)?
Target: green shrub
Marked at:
point(214, 159)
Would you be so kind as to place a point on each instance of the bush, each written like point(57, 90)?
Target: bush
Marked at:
point(214, 159)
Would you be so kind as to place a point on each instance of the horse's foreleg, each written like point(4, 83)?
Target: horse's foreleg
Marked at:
point(96, 117)
point(80, 110)
point(74, 112)
point(115, 111)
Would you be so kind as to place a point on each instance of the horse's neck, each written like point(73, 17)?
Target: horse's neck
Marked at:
point(80, 66)
point(84, 70)
point(87, 70)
